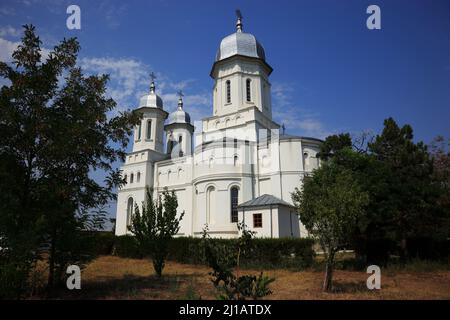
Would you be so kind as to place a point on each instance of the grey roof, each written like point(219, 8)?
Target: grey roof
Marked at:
point(264, 200)
point(240, 43)
point(151, 100)
point(179, 116)
point(288, 136)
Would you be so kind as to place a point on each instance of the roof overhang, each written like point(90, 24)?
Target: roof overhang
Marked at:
point(239, 56)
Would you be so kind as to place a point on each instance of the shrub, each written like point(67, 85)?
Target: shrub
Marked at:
point(263, 253)
point(127, 247)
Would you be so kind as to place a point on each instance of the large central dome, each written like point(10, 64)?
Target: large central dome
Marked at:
point(240, 43)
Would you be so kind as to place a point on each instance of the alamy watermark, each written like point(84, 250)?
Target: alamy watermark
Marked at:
point(74, 20)
point(374, 280)
point(74, 280)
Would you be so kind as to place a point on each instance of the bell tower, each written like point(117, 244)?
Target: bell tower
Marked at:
point(149, 133)
point(241, 74)
point(179, 131)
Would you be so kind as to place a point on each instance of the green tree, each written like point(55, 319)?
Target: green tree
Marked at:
point(409, 196)
point(56, 127)
point(156, 226)
point(333, 144)
point(330, 205)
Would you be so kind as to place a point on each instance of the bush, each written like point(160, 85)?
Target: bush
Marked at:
point(103, 243)
point(427, 248)
point(127, 247)
point(263, 253)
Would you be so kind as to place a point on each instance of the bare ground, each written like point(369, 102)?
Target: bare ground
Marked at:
point(110, 277)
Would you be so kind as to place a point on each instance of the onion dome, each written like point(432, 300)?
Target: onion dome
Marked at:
point(151, 100)
point(179, 115)
point(240, 43)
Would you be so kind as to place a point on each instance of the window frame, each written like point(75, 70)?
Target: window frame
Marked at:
point(257, 220)
point(228, 91)
point(149, 130)
point(234, 201)
point(248, 89)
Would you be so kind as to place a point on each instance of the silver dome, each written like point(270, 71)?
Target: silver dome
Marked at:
point(240, 43)
point(179, 115)
point(151, 100)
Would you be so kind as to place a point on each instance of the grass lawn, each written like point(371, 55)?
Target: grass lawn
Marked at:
point(110, 277)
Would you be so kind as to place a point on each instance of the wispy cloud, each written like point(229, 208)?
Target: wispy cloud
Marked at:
point(6, 49)
point(129, 80)
point(297, 119)
point(112, 13)
point(9, 31)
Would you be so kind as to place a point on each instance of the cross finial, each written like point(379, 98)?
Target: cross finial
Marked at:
point(152, 84)
point(239, 21)
point(180, 99)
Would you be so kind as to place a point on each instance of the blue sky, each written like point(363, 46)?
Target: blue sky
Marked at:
point(331, 74)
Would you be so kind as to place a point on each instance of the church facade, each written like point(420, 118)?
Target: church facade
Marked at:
point(236, 165)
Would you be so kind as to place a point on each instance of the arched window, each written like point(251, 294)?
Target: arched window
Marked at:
point(248, 85)
point(149, 129)
point(169, 146)
point(138, 177)
point(125, 178)
point(130, 207)
point(210, 204)
point(180, 140)
point(228, 88)
point(234, 197)
point(168, 175)
point(131, 177)
point(235, 160)
point(139, 132)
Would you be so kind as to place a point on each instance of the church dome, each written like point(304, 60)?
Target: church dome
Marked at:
point(240, 43)
point(179, 115)
point(151, 100)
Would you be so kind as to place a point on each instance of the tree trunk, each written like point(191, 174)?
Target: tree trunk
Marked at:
point(328, 279)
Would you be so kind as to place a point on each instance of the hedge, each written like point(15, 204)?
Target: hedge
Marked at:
point(264, 253)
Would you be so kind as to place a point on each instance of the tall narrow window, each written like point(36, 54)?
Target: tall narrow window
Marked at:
point(139, 132)
point(149, 129)
point(131, 177)
point(235, 160)
point(210, 204)
point(169, 146)
point(234, 196)
point(180, 140)
point(130, 204)
point(228, 86)
point(138, 177)
point(249, 90)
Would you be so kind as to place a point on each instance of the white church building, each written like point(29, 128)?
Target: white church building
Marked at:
point(236, 165)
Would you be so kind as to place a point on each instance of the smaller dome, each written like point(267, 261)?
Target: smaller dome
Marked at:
point(179, 115)
point(151, 100)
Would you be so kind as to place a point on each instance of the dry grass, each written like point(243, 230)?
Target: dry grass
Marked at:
point(111, 277)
